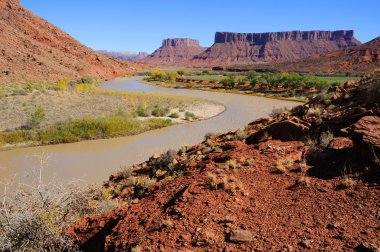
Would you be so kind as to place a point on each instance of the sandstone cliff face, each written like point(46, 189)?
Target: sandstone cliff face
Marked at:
point(174, 51)
point(262, 38)
point(32, 49)
point(361, 58)
point(246, 48)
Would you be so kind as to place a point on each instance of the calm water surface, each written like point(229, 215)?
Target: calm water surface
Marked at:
point(93, 161)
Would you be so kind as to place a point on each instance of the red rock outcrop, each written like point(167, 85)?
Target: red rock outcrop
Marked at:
point(174, 51)
point(247, 48)
point(31, 49)
point(363, 58)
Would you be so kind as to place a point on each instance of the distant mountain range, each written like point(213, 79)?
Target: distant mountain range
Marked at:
point(32, 49)
point(125, 55)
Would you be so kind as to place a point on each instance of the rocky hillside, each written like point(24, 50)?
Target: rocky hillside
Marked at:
point(361, 58)
point(247, 48)
point(32, 49)
point(300, 180)
point(174, 51)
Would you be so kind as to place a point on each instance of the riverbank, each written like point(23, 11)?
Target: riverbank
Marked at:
point(178, 85)
point(44, 114)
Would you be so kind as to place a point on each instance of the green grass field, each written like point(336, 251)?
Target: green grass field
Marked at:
point(337, 78)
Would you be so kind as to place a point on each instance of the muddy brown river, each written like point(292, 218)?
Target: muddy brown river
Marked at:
point(93, 161)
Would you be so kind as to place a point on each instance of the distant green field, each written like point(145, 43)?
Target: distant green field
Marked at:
point(212, 77)
point(340, 79)
point(329, 79)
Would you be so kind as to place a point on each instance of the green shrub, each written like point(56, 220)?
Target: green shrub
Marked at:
point(141, 111)
point(158, 111)
point(174, 115)
point(36, 119)
point(189, 115)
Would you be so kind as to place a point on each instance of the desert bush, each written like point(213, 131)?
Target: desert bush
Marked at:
point(189, 115)
point(283, 164)
point(141, 111)
point(229, 83)
point(278, 111)
point(209, 134)
point(172, 76)
point(212, 181)
point(86, 80)
point(63, 84)
point(181, 72)
point(174, 115)
point(231, 184)
point(231, 164)
point(157, 75)
point(325, 138)
point(36, 119)
point(35, 220)
point(303, 181)
point(159, 111)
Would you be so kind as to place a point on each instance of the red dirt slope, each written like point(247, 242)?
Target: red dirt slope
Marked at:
point(304, 180)
point(31, 49)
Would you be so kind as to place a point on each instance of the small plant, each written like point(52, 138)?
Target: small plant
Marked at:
point(126, 172)
point(209, 134)
point(325, 138)
point(240, 135)
point(303, 181)
point(167, 223)
point(231, 184)
point(283, 164)
point(36, 119)
point(158, 111)
point(212, 181)
point(189, 115)
point(278, 111)
point(231, 164)
point(174, 115)
point(141, 111)
point(346, 183)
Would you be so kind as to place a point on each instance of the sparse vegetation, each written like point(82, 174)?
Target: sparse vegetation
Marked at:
point(212, 181)
point(69, 111)
point(189, 115)
point(36, 119)
point(174, 115)
point(283, 164)
point(83, 129)
point(303, 181)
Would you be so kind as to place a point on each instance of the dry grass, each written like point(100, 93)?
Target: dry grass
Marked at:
point(283, 164)
point(232, 184)
point(303, 181)
point(167, 223)
point(231, 164)
point(346, 182)
point(212, 181)
point(34, 217)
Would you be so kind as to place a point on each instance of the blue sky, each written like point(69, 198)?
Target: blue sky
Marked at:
point(140, 25)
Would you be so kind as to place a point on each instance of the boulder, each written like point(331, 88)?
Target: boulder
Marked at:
point(367, 247)
point(240, 236)
point(366, 136)
point(291, 129)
